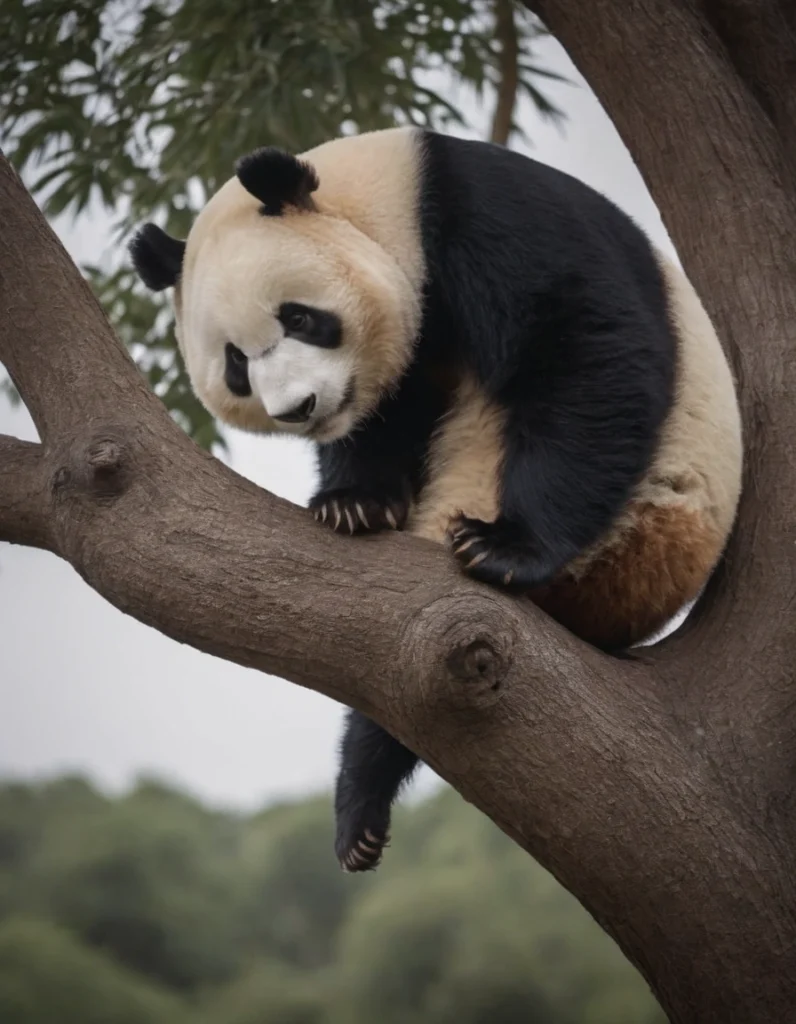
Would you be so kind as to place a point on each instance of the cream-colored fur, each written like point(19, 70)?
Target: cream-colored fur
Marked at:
point(358, 255)
point(464, 465)
point(700, 458)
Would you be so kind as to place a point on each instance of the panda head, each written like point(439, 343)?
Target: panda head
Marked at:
point(289, 317)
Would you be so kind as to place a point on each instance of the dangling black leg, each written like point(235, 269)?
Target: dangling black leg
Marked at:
point(373, 768)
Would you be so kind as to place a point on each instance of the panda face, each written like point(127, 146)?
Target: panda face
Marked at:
point(293, 324)
point(275, 359)
point(300, 379)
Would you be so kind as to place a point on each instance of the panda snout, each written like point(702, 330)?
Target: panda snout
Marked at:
point(299, 413)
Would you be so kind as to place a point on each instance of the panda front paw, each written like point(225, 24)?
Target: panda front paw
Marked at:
point(498, 553)
point(356, 510)
point(362, 836)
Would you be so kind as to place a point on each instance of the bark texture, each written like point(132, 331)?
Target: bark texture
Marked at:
point(661, 791)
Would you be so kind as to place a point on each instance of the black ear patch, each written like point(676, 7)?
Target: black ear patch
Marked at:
point(157, 257)
point(277, 179)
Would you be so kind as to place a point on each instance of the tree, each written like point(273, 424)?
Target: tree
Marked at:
point(269, 991)
point(248, 918)
point(149, 883)
point(658, 790)
point(46, 975)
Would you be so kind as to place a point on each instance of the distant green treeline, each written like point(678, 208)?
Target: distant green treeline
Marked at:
point(152, 909)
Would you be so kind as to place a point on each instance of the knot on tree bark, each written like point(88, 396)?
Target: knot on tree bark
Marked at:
point(466, 645)
point(98, 467)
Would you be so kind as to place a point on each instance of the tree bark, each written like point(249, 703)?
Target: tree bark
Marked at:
point(660, 790)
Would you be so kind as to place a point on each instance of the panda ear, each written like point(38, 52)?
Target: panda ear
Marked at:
point(157, 257)
point(277, 179)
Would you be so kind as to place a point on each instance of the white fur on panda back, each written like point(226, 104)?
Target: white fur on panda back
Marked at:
point(697, 470)
point(700, 457)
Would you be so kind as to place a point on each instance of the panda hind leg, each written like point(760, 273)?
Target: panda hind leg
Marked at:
point(374, 767)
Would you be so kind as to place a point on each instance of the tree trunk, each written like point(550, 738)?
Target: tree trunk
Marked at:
point(660, 791)
point(703, 92)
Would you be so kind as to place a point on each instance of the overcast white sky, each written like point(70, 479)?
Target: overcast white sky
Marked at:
point(84, 687)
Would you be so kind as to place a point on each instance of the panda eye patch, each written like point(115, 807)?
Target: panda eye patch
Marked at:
point(235, 355)
point(311, 326)
point(236, 371)
point(299, 321)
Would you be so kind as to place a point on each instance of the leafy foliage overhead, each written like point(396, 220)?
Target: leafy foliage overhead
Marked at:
point(143, 106)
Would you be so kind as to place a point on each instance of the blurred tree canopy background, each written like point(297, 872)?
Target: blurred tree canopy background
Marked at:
point(151, 909)
point(145, 105)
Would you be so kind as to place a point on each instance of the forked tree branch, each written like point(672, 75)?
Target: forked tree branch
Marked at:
point(659, 790)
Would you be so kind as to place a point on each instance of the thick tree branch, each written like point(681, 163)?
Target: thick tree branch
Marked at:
point(24, 508)
point(759, 38)
point(53, 333)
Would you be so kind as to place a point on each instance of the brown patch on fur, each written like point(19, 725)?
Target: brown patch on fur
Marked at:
point(613, 604)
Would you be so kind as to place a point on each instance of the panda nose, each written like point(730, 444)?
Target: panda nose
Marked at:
point(299, 413)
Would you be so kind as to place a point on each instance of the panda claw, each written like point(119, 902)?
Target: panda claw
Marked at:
point(498, 553)
point(456, 533)
point(365, 855)
point(358, 846)
point(363, 859)
point(351, 511)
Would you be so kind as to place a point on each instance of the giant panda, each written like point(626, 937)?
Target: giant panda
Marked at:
point(487, 353)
